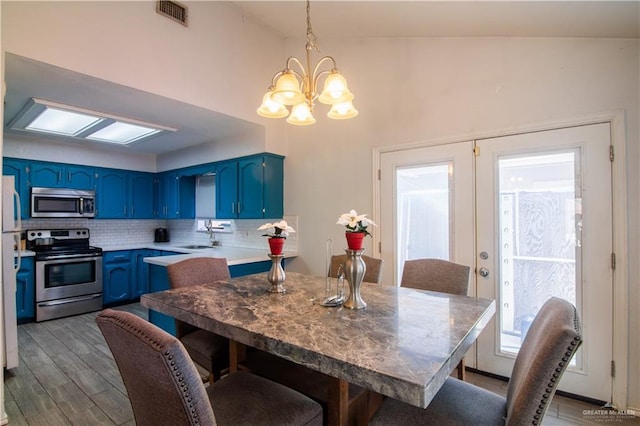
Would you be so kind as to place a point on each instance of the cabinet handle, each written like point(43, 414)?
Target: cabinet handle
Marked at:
point(233, 207)
point(124, 209)
point(238, 207)
point(59, 177)
point(68, 176)
point(132, 210)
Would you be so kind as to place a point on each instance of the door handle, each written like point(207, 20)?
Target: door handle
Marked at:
point(484, 272)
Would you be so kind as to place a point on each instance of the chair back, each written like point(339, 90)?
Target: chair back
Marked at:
point(436, 275)
point(163, 384)
point(195, 271)
point(553, 337)
point(373, 274)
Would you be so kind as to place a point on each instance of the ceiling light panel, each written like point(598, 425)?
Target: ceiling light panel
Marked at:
point(122, 133)
point(52, 118)
point(61, 122)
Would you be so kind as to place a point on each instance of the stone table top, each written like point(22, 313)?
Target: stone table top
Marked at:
point(403, 345)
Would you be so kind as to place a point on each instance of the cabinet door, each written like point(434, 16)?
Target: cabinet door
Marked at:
point(140, 284)
point(25, 290)
point(79, 177)
point(117, 276)
point(227, 190)
point(168, 193)
point(112, 194)
point(141, 200)
point(48, 175)
point(20, 170)
point(187, 197)
point(250, 185)
point(273, 187)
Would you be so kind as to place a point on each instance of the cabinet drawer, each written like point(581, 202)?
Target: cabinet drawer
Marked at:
point(117, 257)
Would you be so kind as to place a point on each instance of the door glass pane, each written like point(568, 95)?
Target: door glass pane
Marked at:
point(540, 218)
point(423, 212)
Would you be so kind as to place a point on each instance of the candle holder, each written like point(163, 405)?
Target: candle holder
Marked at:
point(276, 274)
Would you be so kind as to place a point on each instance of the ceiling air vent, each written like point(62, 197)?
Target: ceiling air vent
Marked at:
point(172, 10)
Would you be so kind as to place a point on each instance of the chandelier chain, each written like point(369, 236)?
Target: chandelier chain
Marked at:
point(312, 42)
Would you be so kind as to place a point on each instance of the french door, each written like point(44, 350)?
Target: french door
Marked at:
point(532, 214)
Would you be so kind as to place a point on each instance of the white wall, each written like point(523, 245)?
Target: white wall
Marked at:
point(412, 90)
point(221, 61)
point(407, 90)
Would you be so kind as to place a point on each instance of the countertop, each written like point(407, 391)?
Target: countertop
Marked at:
point(234, 255)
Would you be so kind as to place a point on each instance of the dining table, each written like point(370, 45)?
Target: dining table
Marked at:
point(403, 345)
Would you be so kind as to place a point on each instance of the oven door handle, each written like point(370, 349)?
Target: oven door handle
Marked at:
point(54, 257)
point(69, 300)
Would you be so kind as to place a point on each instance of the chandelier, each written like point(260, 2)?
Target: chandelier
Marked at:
point(298, 89)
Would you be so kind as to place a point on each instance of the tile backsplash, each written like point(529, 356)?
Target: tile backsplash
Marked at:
point(240, 233)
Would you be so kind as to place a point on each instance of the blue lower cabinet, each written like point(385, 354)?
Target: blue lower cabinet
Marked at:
point(26, 291)
point(117, 277)
point(159, 281)
point(141, 279)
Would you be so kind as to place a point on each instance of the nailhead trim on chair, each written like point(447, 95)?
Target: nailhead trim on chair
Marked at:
point(559, 369)
point(168, 356)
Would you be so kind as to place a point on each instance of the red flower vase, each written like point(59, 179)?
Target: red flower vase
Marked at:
point(355, 240)
point(276, 245)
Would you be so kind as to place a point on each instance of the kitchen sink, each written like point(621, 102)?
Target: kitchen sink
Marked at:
point(194, 247)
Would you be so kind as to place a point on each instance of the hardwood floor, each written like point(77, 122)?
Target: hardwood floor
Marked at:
point(67, 376)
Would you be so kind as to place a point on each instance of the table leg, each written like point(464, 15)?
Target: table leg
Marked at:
point(237, 354)
point(338, 404)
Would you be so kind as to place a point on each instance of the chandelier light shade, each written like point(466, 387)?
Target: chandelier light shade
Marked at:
point(271, 109)
point(298, 89)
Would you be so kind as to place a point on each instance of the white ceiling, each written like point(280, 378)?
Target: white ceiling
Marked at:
point(26, 78)
point(450, 18)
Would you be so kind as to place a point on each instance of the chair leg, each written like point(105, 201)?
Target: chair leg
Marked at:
point(211, 379)
point(461, 371)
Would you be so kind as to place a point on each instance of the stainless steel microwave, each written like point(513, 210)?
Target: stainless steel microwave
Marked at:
point(62, 202)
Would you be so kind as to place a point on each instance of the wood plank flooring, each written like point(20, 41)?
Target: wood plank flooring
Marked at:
point(67, 376)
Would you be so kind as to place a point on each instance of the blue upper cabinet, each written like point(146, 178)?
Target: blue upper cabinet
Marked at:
point(250, 187)
point(141, 195)
point(112, 194)
point(54, 175)
point(47, 175)
point(20, 170)
point(125, 195)
point(273, 189)
point(250, 184)
point(227, 190)
point(175, 196)
point(79, 177)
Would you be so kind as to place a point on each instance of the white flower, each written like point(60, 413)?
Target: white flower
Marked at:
point(281, 229)
point(355, 222)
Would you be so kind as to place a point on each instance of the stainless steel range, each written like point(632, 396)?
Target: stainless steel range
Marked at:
point(68, 272)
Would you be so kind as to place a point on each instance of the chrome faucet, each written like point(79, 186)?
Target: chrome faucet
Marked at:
point(211, 233)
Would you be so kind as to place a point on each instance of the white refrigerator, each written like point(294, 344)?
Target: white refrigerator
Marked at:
point(11, 258)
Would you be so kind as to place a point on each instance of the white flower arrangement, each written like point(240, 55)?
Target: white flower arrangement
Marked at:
point(355, 222)
point(280, 229)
